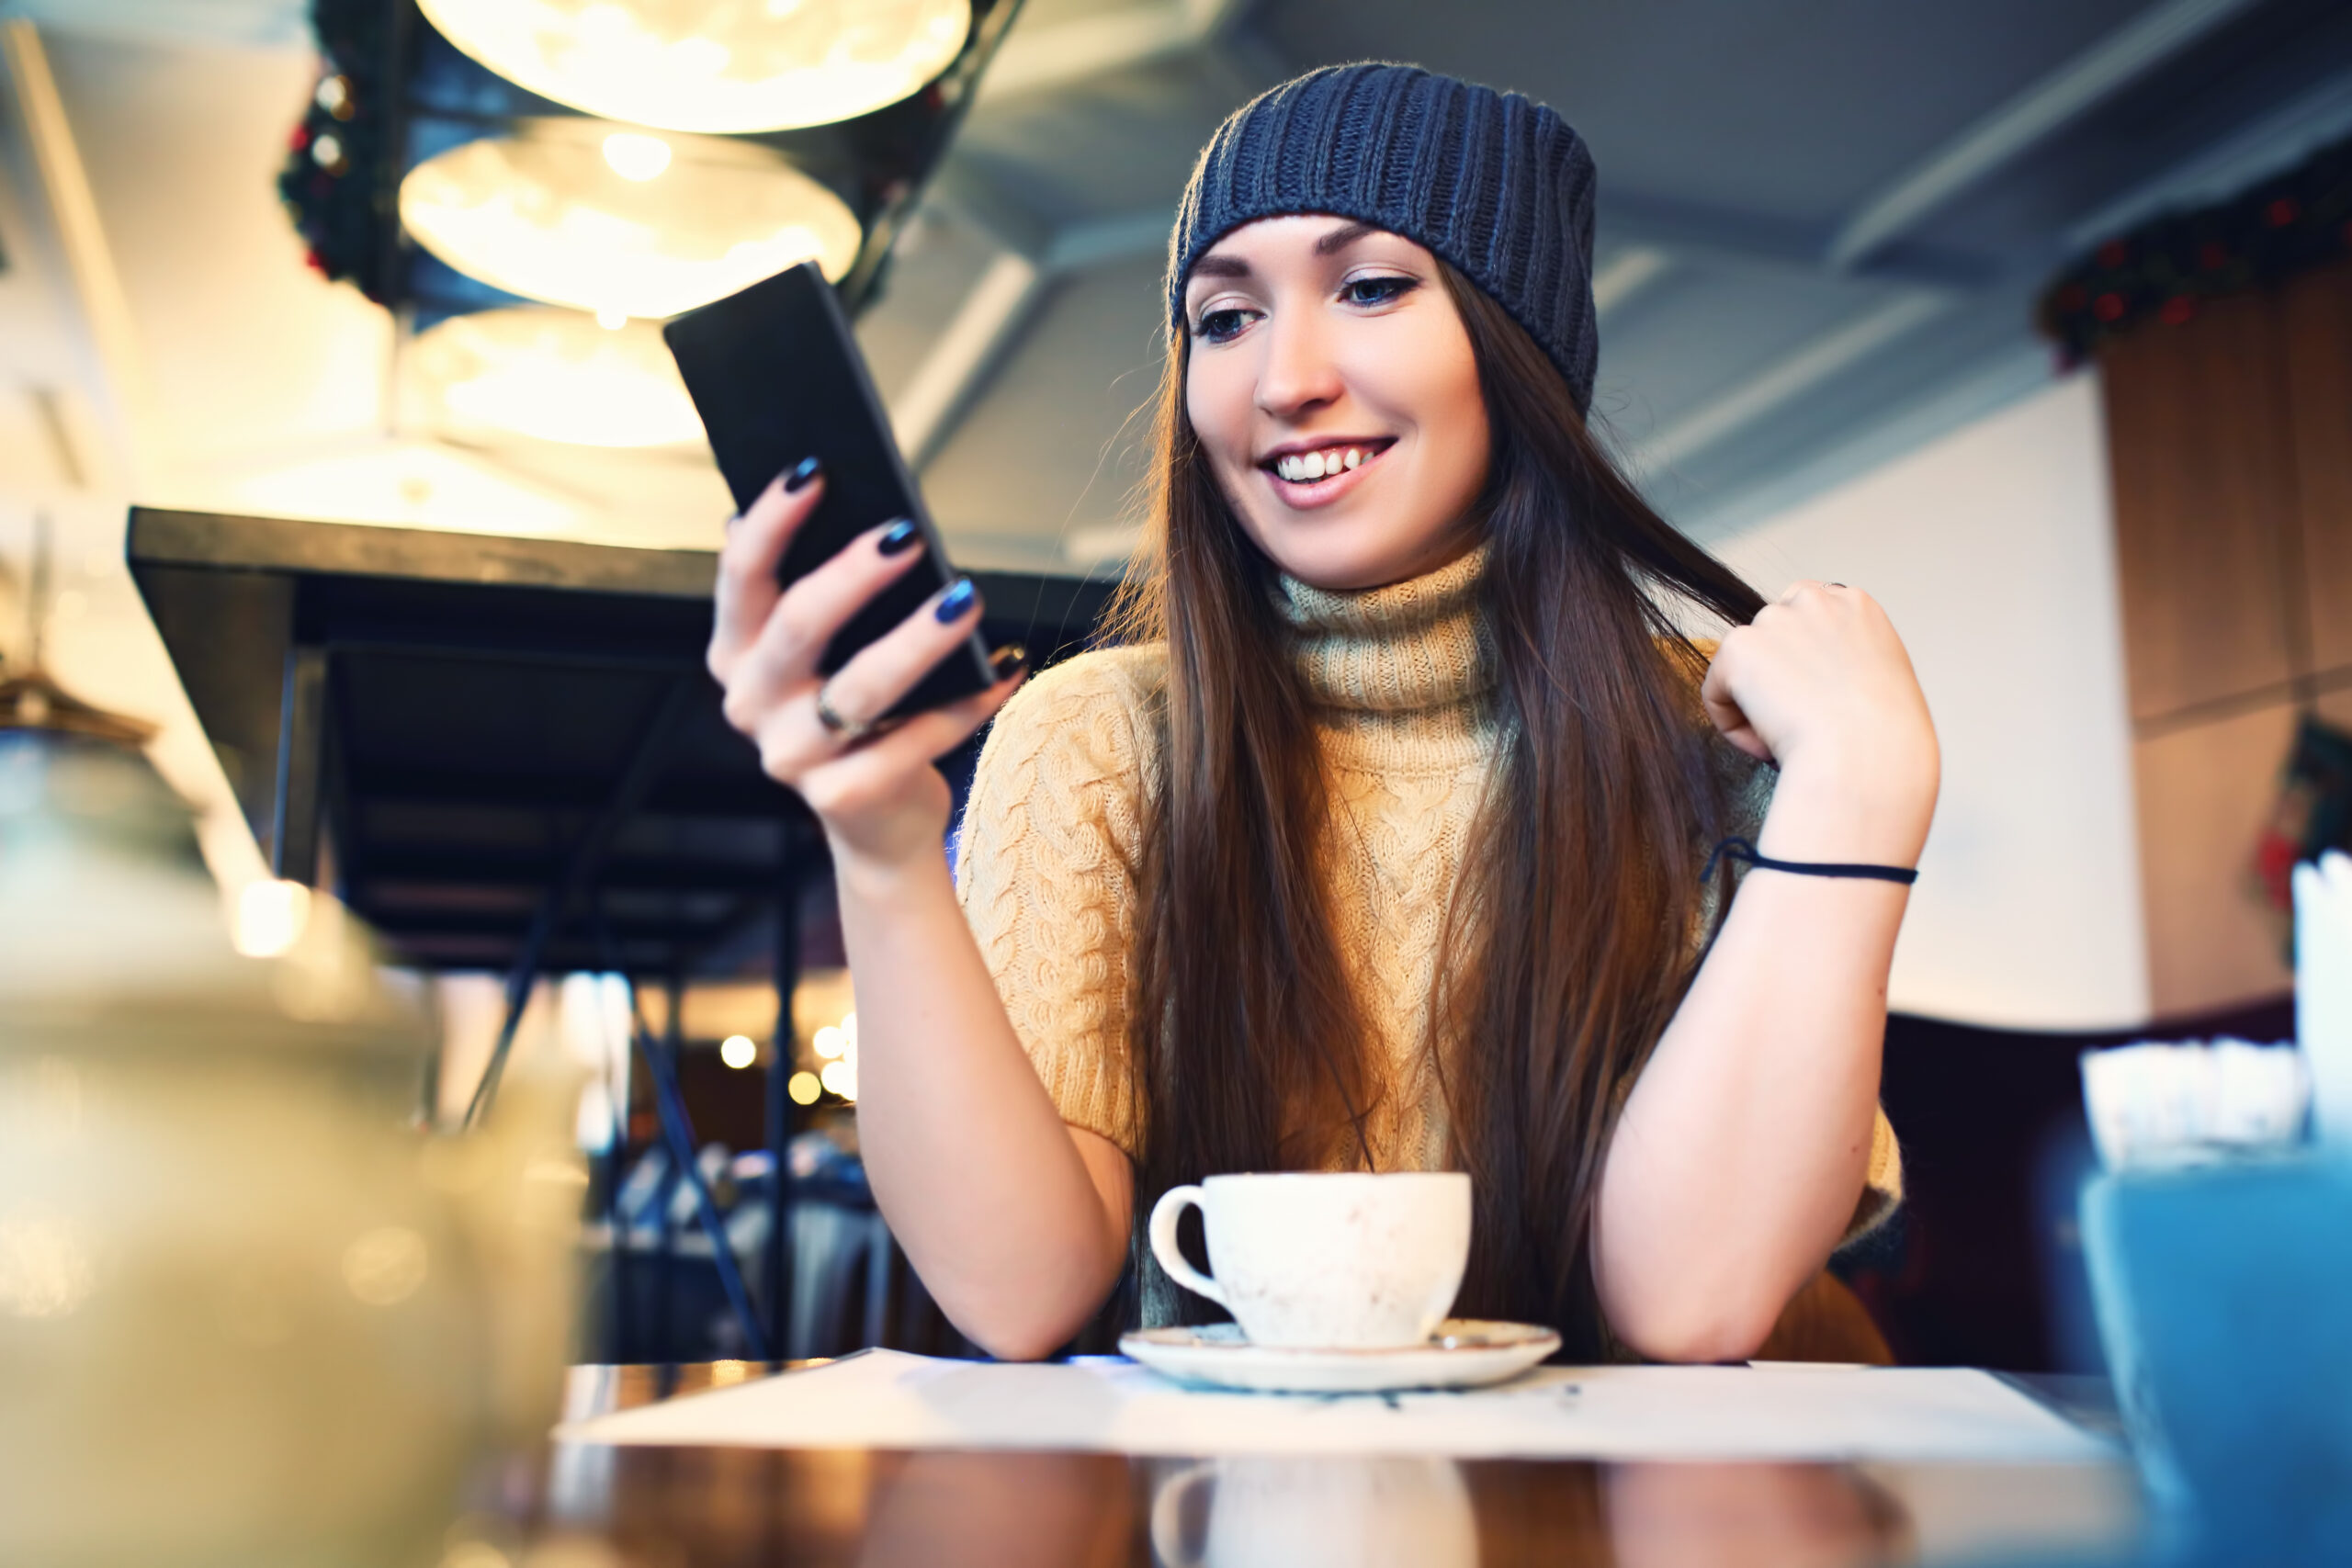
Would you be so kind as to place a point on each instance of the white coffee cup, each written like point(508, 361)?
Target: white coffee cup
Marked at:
point(1306, 1511)
point(1325, 1260)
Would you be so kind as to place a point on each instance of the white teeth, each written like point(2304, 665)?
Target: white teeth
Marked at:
point(1305, 468)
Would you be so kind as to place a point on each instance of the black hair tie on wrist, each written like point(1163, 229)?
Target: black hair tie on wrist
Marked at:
point(1744, 850)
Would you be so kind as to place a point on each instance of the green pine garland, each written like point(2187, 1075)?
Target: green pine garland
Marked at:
point(2165, 269)
point(332, 181)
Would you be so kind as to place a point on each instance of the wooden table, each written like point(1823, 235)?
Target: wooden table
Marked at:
point(595, 1506)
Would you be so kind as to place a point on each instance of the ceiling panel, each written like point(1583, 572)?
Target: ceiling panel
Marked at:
point(247, 348)
point(1732, 136)
point(1796, 107)
point(1699, 329)
point(1055, 446)
point(2271, 57)
point(1120, 142)
point(930, 272)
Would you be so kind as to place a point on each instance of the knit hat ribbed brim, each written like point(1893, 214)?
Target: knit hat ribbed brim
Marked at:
point(1496, 184)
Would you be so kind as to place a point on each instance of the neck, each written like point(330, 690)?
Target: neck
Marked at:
point(1404, 671)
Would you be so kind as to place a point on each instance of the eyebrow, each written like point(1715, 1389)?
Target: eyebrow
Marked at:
point(1342, 238)
point(1339, 239)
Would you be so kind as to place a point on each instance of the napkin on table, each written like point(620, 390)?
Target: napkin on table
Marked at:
point(2323, 988)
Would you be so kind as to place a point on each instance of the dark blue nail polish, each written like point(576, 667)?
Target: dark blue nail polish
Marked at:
point(1006, 660)
point(959, 599)
point(898, 536)
point(802, 472)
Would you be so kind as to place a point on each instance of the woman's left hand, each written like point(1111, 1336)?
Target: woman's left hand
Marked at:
point(1820, 684)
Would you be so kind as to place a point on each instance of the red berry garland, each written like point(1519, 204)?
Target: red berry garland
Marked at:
point(2163, 269)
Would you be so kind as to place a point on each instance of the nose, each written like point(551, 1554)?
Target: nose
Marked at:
point(1299, 373)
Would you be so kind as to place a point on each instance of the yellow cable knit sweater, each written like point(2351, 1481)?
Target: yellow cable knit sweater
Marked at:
point(1403, 680)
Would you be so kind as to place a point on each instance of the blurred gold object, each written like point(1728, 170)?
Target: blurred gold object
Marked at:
point(249, 1313)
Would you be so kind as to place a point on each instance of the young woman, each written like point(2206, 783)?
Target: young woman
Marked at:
point(1383, 840)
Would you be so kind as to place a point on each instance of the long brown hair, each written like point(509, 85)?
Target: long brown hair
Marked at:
point(1570, 937)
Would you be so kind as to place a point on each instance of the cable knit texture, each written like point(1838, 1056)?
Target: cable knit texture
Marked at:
point(1403, 680)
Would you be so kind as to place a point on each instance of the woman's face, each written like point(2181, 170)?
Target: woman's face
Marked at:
point(1335, 394)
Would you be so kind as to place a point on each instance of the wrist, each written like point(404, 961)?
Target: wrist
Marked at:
point(872, 875)
point(1822, 812)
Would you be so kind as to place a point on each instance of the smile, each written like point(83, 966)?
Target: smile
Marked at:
point(1308, 475)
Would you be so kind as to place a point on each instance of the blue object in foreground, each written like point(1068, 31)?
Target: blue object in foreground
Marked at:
point(2225, 1302)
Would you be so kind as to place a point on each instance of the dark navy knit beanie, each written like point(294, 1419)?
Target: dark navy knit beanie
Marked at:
point(1495, 183)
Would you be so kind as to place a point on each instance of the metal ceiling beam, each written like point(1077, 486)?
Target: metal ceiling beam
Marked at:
point(1628, 273)
point(81, 238)
point(243, 24)
point(1002, 302)
point(971, 196)
point(942, 387)
point(2283, 135)
point(2025, 122)
point(1101, 241)
point(1761, 395)
point(1752, 242)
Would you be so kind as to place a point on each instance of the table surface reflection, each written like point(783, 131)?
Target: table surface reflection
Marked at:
point(580, 1506)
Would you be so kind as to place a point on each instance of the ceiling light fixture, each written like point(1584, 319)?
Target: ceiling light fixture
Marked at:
point(566, 211)
point(555, 376)
point(637, 156)
point(720, 66)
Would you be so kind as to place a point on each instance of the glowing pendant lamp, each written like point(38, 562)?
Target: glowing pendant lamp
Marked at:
point(720, 66)
point(621, 223)
point(555, 376)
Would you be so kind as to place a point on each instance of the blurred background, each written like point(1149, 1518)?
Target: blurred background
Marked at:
point(2033, 318)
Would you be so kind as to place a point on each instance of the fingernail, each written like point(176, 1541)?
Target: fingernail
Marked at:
point(959, 599)
point(802, 472)
point(899, 536)
point(1006, 660)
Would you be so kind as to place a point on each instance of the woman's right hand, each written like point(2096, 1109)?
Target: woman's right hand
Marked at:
point(879, 798)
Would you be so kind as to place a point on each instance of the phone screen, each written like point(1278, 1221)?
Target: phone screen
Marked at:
point(777, 377)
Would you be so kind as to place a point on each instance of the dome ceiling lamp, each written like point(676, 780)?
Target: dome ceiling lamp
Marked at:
point(712, 66)
point(623, 222)
point(555, 375)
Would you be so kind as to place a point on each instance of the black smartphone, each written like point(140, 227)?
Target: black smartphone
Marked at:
point(777, 377)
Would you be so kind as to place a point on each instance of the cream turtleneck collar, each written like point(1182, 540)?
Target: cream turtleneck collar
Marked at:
point(1401, 674)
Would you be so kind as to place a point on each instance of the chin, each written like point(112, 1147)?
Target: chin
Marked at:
point(1351, 563)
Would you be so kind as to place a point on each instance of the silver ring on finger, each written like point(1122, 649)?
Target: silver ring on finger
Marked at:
point(835, 722)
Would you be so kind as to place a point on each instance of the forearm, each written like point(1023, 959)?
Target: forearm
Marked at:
point(1015, 1236)
point(1742, 1151)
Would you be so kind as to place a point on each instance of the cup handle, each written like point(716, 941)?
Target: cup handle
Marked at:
point(1164, 1215)
point(1167, 1516)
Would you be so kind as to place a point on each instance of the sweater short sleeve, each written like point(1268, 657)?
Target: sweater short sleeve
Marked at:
point(1045, 871)
point(1881, 1183)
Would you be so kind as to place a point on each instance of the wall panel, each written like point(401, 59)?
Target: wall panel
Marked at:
point(2204, 496)
point(2205, 793)
point(2315, 323)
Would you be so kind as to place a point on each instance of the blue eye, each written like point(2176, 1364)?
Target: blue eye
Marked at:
point(1378, 290)
point(1220, 326)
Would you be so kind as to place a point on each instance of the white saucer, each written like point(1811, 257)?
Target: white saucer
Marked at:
point(1464, 1353)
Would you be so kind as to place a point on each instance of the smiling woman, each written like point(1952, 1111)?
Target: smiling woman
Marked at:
point(1384, 840)
point(1326, 353)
